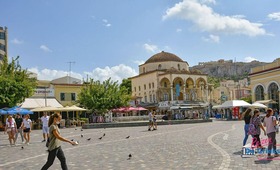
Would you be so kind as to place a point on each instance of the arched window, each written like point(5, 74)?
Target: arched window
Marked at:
point(179, 67)
point(273, 92)
point(159, 66)
point(144, 70)
point(165, 84)
point(259, 93)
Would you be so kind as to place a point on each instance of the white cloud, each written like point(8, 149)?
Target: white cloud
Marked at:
point(207, 20)
point(212, 38)
point(45, 48)
point(47, 74)
point(116, 73)
point(139, 62)
point(16, 41)
point(151, 48)
point(106, 23)
point(178, 30)
point(208, 1)
point(274, 16)
point(249, 59)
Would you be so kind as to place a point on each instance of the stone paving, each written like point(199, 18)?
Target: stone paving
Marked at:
point(215, 145)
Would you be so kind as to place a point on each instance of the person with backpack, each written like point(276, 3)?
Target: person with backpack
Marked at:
point(270, 123)
point(256, 121)
point(247, 117)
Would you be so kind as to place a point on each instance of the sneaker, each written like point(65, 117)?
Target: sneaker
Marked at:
point(269, 157)
point(27, 143)
point(276, 155)
point(44, 140)
point(23, 142)
point(149, 129)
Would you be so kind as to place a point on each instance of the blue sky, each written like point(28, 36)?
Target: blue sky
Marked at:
point(109, 38)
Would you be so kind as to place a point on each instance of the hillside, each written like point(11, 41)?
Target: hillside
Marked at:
point(226, 69)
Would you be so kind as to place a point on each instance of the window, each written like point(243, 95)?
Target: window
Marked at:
point(179, 67)
point(144, 70)
point(145, 99)
point(135, 89)
point(62, 96)
point(144, 86)
point(149, 85)
point(159, 66)
point(2, 35)
point(165, 97)
point(73, 97)
point(153, 85)
point(165, 84)
point(139, 88)
point(151, 100)
point(2, 47)
point(154, 98)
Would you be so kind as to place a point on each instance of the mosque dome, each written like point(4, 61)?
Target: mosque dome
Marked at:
point(163, 56)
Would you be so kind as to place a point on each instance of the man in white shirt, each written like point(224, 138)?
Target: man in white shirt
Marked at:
point(45, 121)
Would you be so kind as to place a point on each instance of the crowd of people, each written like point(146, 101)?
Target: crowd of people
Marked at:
point(253, 126)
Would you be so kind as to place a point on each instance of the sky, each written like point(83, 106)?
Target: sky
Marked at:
point(100, 39)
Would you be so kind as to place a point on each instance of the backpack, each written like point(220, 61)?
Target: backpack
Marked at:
point(252, 130)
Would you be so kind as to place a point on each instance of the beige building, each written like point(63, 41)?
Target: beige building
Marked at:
point(231, 90)
point(265, 82)
point(165, 80)
point(3, 42)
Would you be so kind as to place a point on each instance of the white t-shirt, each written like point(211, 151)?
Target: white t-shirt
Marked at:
point(45, 120)
point(150, 116)
point(26, 123)
point(268, 123)
point(10, 124)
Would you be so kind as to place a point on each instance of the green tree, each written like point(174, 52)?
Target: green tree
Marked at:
point(15, 83)
point(101, 97)
point(127, 84)
point(214, 80)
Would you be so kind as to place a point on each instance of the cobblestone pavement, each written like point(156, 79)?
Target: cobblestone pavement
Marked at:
point(215, 145)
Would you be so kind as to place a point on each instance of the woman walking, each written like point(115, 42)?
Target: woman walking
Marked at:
point(54, 147)
point(27, 124)
point(247, 117)
point(270, 123)
point(258, 124)
point(11, 129)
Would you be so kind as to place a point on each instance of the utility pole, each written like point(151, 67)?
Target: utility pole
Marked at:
point(70, 64)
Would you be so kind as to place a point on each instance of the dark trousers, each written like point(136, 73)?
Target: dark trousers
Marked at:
point(271, 142)
point(257, 141)
point(56, 153)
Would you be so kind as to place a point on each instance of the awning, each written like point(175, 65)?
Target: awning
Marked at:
point(180, 107)
point(31, 103)
point(265, 101)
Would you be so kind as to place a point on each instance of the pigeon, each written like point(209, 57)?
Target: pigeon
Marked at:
point(127, 137)
point(82, 130)
point(89, 139)
point(22, 147)
point(72, 139)
point(100, 138)
point(82, 135)
point(129, 156)
point(104, 134)
point(75, 129)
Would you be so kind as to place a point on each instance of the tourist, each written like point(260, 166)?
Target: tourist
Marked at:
point(154, 121)
point(247, 117)
point(258, 124)
point(150, 121)
point(54, 147)
point(10, 128)
point(19, 123)
point(270, 123)
point(27, 124)
point(45, 128)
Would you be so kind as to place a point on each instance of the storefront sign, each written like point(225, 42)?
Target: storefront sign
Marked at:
point(44, 92)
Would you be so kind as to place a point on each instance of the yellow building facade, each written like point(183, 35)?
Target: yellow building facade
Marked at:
point(265, 82)
point(3, 42)
point(165, 79)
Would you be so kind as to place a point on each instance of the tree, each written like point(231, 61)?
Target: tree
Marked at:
point(101, 97)
point(15, 83)
point(127, 84)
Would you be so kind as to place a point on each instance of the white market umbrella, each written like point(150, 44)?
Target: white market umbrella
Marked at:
point(217, 107)
point(258, 105)
point(45, 109)
point(235, 103)
point(72, 108)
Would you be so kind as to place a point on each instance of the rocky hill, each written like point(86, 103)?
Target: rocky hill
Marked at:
point(227, 69)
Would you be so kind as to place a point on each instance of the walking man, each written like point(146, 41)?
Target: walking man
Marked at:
point(45, 121)
point(19, 123)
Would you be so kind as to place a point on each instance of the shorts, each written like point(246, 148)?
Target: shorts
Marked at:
point(26, 130)
point(45, 129)
point(11, 129)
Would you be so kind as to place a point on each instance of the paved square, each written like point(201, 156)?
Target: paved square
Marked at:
point(215, 145)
